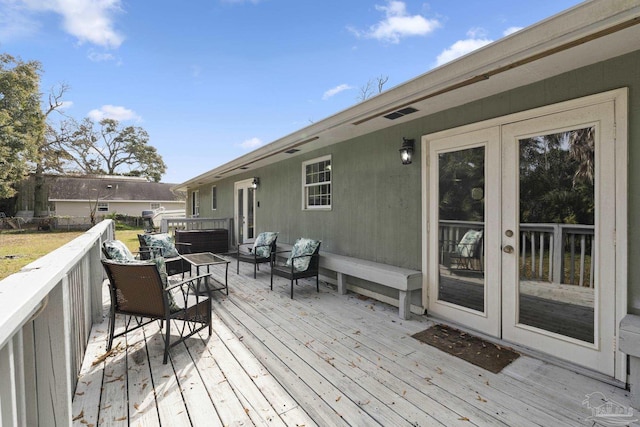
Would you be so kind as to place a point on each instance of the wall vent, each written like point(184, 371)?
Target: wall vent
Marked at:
point(400, 113)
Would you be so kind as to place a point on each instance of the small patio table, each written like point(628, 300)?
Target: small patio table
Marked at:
point(206, 259)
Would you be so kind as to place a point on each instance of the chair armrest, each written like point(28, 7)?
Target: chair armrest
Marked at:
point(183, 247)
point(146, 253)
point(275, 253)
point(157, 249)
point(281, 252)
point(186, 282)
point(304, 256)
point(248, 247)
point(255, 253)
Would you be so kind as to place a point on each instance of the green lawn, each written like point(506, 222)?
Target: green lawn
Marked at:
point(19, 248)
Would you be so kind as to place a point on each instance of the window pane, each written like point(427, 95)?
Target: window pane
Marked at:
point(461, 189)
point(317, 181)
point(557, 233)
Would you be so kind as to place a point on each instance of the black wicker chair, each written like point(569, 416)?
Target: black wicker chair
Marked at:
point(290, 271)
point(139, 293)
point(175, 264)
point(257, 253)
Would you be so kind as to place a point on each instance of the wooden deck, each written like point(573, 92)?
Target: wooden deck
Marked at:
point(320, 359)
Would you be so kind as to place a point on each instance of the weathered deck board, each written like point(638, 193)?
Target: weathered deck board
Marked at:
point(142, 404)
point(319, 359)
point(378, 340)
point(229, 409)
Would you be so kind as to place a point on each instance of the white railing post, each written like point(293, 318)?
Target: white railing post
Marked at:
point(53, 353)
point(558, 253)
point(46, 313)
point(8, 395)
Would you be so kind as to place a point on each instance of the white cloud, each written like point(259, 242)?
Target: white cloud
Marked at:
point(196, 70)
point(113, 112)
point(66, 105)
point(100, 57)
point(336, 90)
point(15, 23)
point(476, 40)
point(511, 30)
point(477, 33)
point(398, 24)
point(88, 21)
point(251, 143)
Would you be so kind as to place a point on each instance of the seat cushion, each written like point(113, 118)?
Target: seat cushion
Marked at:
point(262, 245)
point(118, 251)
point(163, 241)
point(468, 244)
point(303, 246)
point(162, 269)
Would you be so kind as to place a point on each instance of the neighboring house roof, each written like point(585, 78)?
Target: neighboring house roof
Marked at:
point(114, 188)
point(586, 34)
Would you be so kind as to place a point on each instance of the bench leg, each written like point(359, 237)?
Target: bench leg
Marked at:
point(404, 305)
point(342, 284)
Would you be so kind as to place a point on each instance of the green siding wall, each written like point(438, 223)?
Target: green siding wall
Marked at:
point(376, 211)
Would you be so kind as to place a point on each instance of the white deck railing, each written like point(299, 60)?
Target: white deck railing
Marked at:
point(557, 253)
point(46, 313)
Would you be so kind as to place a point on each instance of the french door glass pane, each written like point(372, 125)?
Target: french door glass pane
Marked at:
point(240, 215)
point(461, 186)
point(250, 213)
point(557, 211)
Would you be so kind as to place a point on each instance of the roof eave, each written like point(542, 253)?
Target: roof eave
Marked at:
point(575, 27)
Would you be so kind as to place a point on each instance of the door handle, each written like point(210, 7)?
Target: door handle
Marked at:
point(508, 249)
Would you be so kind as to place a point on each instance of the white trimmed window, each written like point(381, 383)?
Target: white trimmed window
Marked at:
point(103, 207)
point(195, 204)
point(214, 198)
point(316, 180)
point(155, 206)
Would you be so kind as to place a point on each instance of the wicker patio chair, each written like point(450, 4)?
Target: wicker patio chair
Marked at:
point(467, 255)
point(138, 292)
point(258, 252)
point(162, 243)
point(303, 262)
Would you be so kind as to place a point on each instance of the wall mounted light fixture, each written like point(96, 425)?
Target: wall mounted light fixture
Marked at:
point(406, 152)
point(256, 182)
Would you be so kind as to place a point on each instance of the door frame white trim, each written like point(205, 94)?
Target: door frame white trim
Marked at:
point(620, 101)
point(488, 320)
point(245, 183)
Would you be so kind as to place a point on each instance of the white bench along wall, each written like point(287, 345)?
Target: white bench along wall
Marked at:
point(403, 279)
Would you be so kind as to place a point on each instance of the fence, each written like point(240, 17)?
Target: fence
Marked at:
point(558, 253)
point(46, 313)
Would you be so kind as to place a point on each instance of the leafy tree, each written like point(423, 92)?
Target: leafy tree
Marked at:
point(109, 149)
point(22, 123)
point(50, 156)
point(556, 178)
point(462, 185)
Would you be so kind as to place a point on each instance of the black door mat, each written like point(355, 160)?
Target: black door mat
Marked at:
point(485, 354)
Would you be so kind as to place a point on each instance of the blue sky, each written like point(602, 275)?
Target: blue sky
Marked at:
point(211, 80)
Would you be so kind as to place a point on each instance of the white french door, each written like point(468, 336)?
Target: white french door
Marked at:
point(464, 281)
point(559, 281)
point(522, 215)
point(245, 210)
